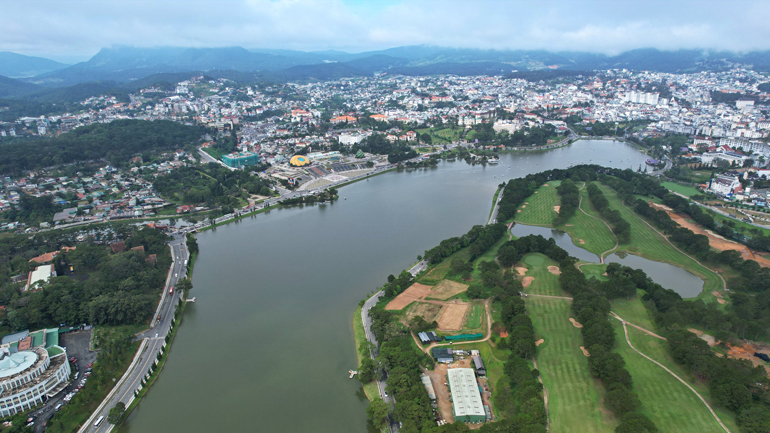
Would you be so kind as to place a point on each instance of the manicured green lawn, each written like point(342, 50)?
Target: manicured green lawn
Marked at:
point(574, 397)
point(545, 283)
point(647, 243)
point(667, 402)
point(595, 271)
point(539, 207)
point(475, 316)
point(681, 189)
point(597, 236)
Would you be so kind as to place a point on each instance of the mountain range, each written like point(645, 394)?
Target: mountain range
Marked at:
point(34, 77)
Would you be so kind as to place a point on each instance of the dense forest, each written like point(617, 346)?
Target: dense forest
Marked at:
point(211, 184)
point(115, 142)
point(379, 145)
point(94, 286)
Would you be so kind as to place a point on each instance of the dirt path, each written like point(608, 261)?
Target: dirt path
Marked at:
point(602, 255)
point(724, 283)
point(650, 333)
point(545, 397)
point(625, 329)
point(549, 296)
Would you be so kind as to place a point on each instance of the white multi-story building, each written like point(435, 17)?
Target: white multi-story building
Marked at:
point(31, 375)
point(642, 98)
point(724, 185)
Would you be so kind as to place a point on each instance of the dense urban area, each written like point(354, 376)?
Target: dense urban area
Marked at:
point(101, 201)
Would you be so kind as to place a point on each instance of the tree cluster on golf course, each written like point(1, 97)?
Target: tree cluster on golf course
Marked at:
point(734, 384)
point(479, 239)
point(620, 227)
point(570, 201)
point(591, 305)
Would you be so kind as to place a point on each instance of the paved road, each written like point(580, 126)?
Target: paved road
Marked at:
point(419, 267)
point(370, 336)
point(152, 342)
point(493, 217)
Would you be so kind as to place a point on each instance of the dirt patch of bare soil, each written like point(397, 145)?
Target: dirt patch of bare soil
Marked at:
point(747, 351)
point(554, 270)
point(438, 377)
point(715, 240)
point(423, 309)
point(705, 337)
point(414, 292)
point(452, 316)
point(445, 289)
point(539, 342)
point(585, 351)
point(527, 281)
point(575, 323)
point(521, 270)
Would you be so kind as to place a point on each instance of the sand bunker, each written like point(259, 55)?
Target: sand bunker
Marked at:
point(554, 270)
point(556, 208)
point(582, 242)
point(545, 184)
point(527, 281)
point(521, 270)
point(575, 323)
point(585, 351)
point(719, 297)
point(518, 211)
point(523, 206)
point(569, 225)
point(414, 292)
point(539, 342)
point(452, 316)
point(605, 274)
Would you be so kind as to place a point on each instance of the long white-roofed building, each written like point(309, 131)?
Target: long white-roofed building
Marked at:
point(466, 398)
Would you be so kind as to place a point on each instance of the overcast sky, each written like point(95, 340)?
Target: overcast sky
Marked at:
point(75, 30)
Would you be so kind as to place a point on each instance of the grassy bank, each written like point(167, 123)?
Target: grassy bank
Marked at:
point(360, 336)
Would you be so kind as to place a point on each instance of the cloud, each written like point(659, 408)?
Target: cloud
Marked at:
point(79, 28)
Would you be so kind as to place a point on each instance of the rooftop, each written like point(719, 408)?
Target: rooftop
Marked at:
point(16, 363)
point(466, 398)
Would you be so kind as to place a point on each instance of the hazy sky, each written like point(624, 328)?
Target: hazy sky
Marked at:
point(71, 30)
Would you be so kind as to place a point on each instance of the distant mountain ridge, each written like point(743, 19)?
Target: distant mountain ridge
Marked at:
point(14, 65)
point(122, 65)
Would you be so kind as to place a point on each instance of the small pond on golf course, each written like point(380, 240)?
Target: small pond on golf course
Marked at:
point(686, 284)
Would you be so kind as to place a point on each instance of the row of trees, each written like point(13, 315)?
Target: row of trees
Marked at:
point(620, 227)
point(592, 308)
point(479, 238)
point(570, 201)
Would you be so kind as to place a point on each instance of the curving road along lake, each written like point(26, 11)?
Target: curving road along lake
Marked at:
point(268, 344)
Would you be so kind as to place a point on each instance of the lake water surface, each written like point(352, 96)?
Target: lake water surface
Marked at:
point(269, 342)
